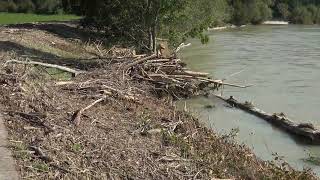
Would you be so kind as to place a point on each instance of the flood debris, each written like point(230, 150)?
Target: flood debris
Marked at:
point(171, 76)
point(110, 122)
point(62, 68)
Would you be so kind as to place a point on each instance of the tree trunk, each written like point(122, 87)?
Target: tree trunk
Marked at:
point(154, 42)
point(148, 24)
point(150, 39)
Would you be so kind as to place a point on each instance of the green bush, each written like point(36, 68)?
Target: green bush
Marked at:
point(317, 17)
point(32, 6)
point(26, 6)
point(301, 15)
point(297, 11)
point(8, 6)
point(48, 6)
point(3, 6)
point(313, 10)
point(251, 11)
point(261, 12)
point(283, 10)
point(12, 7)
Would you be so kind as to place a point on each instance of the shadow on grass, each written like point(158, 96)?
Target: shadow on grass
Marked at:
point(22, 51)
point(37, 55)
point(68, 30)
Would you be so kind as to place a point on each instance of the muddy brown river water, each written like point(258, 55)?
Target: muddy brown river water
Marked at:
point(283, 64)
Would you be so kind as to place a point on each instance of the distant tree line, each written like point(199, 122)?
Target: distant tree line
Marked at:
point(297, 11)
point(32, 6)
point(225, 11)
point(257, 11)
point(250, 11)
point(40, 6)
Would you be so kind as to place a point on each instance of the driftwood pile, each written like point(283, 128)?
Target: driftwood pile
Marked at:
point(305, 131)
point(169, 75)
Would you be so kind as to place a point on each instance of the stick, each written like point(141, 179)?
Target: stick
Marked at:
point(33, 118)
point(111, 91)
point(63, 68)
point(46, 158)
point(76, 117)
point(140, 61)
point(209, 80)
point(222, 83)
point(192, 73)
point(181, 46)
point(41, 154)
point(234, 74)
point(62, 83)
point(159, 61)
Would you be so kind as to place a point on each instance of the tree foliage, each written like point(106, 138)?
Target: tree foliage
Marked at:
point(143, 20)
point(297, 11)
point(31, 6)
point(250, 11)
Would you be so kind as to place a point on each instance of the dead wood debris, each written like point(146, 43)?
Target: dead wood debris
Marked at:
point(63, 68)
point(103, 145)
point(171, 76)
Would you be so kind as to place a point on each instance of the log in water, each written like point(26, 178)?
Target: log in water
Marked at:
point(304, 130)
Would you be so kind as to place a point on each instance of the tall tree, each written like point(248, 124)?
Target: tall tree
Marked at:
point(144, 20)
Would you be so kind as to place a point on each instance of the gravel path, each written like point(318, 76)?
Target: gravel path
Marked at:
point(7, 164)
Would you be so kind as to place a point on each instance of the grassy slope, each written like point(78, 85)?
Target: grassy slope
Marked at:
point(15, 18)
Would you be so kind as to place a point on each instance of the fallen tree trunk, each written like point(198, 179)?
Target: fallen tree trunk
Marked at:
point(303, 130)
point(62, 68)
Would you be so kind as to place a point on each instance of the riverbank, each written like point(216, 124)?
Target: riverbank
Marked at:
point(146, 138)
point(276, 23)
point(218, 28)
point(225, 27)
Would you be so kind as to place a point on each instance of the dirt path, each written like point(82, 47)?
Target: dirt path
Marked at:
point(7, 165)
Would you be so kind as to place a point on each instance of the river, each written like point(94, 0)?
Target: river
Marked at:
point(283, 64)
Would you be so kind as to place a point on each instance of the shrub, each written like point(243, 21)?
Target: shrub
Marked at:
point(12, 7)
point(59, 11)
point(301, 15)
point(3, 6)
point(283, 10)
point(317, 17)
point(261, 12)
point(253, 11)
point(48, 6)
point(313, 11)
point(26, 6)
